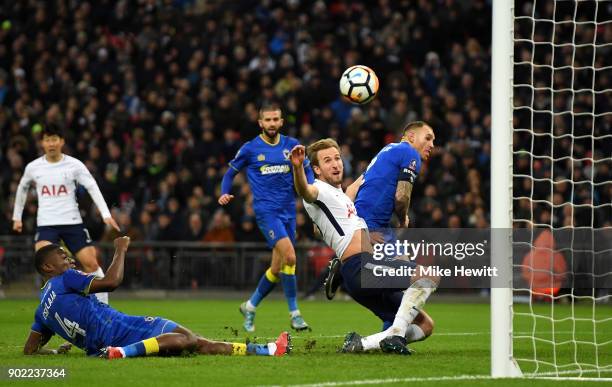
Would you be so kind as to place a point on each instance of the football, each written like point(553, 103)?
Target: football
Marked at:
point(359, 84)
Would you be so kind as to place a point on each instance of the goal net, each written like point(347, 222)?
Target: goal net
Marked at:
point(562, 188)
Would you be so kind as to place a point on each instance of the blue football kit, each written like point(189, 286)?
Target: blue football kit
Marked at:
point(376, 197)
point(67, 309)
point(375, 203)
point(268, 170)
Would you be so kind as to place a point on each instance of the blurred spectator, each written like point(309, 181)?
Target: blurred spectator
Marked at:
point(219, 228)
point(156, 100)
point(127, 229)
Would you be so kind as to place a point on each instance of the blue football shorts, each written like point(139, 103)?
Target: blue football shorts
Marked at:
point(133, 329)
point(275, 227)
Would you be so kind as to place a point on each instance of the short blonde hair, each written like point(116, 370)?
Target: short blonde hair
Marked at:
point(315, 147)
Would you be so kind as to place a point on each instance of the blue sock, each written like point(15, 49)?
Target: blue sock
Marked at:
point(289, 282)
point(133, 350)
point(142, 348)
point(258, 349)
point(386, 325)
point(267, 282)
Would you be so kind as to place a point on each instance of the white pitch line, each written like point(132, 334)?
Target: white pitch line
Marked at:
point(433, 379)
point(482, 333)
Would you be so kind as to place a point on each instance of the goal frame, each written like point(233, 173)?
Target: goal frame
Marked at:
point(502, 58)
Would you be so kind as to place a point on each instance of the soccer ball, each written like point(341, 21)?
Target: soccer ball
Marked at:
point(359, 84)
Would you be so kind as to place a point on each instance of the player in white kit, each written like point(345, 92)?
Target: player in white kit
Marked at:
point(344, 231)
point(56, 176)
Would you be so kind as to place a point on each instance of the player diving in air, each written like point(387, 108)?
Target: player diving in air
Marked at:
point(69, 309)
point(266, 159)
point(56, 176)
point(344, 231)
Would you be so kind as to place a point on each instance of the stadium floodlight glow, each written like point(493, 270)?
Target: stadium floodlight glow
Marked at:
point(550, 71)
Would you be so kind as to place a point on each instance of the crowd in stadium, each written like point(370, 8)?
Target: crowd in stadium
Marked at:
point(155, 97)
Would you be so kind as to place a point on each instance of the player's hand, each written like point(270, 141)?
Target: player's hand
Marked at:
point(64, 348)
point(376, 237)
point(122, 243)
point(298, 153)
point(225, 199)
point(71, 262)
point(17, 225)
point(111, 222)
point(406, 222)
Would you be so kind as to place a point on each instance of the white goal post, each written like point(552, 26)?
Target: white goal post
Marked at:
point(551, 174)
point(502, 363)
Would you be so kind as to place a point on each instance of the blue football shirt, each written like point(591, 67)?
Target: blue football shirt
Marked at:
point(269, 172)
point(376, 197)
point(67, 309)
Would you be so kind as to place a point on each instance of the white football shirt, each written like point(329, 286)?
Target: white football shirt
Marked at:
point(56, 185)
point(335, 215)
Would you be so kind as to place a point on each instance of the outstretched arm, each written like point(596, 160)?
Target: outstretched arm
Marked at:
point(351, 190)
point(402, 201)
point(84, 177)
point(308, 191)
point(114, 275)
point(35, 345)
point(20, 199)
point(226, 186)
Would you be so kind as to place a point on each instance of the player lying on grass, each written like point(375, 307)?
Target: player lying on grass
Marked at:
point(68, 308)
point(344, 231)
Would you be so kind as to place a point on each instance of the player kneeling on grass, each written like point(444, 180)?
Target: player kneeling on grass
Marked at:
point(334, 213)
point(68, 308)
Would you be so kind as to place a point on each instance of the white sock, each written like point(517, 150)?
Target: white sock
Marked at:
point(413, 300)
point(414, 333)
point(250, 307)
point(102, 297)
point(294, 313)
point(271, 348)
point(372, 342)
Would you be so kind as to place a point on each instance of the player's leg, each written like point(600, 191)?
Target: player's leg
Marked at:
point(369, 298)
point(267, 224)
point(45, 235)
point(77, 239)
point(422, 325)
point(181, 340)
point(386, 309)
point(280, 347)
point(285, 249)
point(421, 328)
point(410, 307)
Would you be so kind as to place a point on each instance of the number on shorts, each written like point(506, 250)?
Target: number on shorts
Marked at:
point(87, 236)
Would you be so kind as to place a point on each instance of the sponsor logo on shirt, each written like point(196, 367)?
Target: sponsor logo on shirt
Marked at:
point(351, 210)
point(274, 169)
point(53, 190)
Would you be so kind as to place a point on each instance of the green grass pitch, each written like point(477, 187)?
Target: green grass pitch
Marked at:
point(459, 347)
